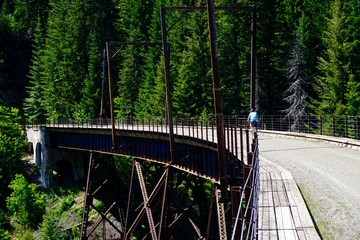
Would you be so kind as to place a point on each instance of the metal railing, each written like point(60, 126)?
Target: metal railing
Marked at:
point(344, 126)
point(239, 142)
point(236, 137)
point(245, 223)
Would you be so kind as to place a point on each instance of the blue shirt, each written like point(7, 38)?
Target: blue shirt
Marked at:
point(253, 116)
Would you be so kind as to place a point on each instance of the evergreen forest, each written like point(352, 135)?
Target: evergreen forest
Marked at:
point(53, 67)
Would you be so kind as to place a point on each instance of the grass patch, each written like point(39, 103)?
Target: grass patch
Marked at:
point(322, 226)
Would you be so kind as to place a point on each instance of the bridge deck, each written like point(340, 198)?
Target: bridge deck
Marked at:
point(282, 210)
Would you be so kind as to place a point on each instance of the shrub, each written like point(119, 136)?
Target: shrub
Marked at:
point(26, 203)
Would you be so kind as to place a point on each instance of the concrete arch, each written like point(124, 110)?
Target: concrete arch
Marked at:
point(37, 154)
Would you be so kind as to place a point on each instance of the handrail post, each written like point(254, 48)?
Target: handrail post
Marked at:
point(321, 132)
point(357, 136)
point(346, 127)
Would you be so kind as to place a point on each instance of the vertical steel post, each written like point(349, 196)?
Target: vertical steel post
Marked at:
point(253, 88)
point(217, 100)
point(235, 205)
point(166, 53)
point(110, 96)
point(126, 236)
point(102, 86)
point(88, 199)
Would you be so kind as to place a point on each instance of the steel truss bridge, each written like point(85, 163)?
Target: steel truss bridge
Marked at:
point(182, 156)
point(175, 191)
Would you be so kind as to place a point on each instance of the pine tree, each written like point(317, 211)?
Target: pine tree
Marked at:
point(151, 103)
point(97, 27)
point(310, 31)
point(15, 45)
point(33, 103)
point(353, 85)
point(63, 61)
point(334, 67)
point(234, 41)
point(135, 18)
point(88, 106)
point(273, 41)
point(28, 12)
point(193, 84)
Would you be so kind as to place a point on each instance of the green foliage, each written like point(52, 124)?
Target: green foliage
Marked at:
point(26, 203)
point(87, 107)
point(50, 229)
point(12, 144)
point(33, 105)
point(25, 235)
point(151, 101)
point(272, 44)
point(234, 38)
point(4, 233)
point(334, 67)
point(123, 168)
point(65, 39)
point(193, 84)
point(15, 41)
point(353, 97)
point(63, 59)
point(61, 214)
point(133, 27)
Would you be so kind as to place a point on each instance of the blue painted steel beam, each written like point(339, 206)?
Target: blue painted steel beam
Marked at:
point(199, 158)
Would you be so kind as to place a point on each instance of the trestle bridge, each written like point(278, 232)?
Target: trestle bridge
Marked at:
point(156, 207)
point(190, 162)
point(190, 179)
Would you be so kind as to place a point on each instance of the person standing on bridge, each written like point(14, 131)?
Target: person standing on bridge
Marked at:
point(253, 119)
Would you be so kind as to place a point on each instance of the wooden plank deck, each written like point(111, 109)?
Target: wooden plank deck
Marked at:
point(283, 214)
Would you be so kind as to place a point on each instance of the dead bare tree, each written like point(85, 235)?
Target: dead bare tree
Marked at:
point(296, 93)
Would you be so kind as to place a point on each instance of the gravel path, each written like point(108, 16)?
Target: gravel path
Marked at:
point(329, 179)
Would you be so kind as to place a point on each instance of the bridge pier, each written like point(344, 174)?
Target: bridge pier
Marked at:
point(51, 159)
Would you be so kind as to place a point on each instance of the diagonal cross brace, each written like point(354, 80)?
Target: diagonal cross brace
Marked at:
point(146, 201)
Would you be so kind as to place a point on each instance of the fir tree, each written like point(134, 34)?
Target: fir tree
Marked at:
point(89, 102)
point(33, 103)
point(63, 60)
point(334, 67)
point(133, 26)
point(149, 102)
point(234, 38)
point(193, 85)
point(353, 93)
point(273, 44)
